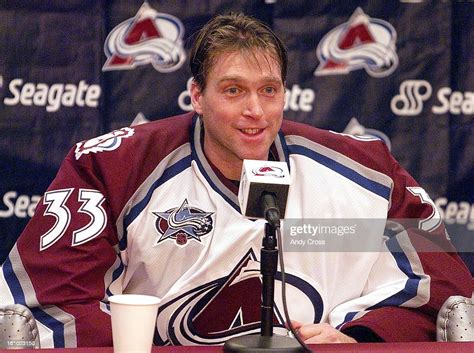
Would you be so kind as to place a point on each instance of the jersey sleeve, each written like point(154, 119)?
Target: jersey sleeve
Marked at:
point(416, 270)
point(65, 259)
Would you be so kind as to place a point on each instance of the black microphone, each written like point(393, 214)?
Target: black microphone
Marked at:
point(263, 191)
point(269, 205)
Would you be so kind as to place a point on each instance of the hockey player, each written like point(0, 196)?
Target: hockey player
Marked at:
point(153, 209)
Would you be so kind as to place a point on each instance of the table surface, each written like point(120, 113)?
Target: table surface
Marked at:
point(412, 347)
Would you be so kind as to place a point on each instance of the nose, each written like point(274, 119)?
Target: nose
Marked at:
point(253, 108)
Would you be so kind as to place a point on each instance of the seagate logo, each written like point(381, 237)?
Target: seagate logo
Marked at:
point(414, 93)
point(409, 101)
point(54, 96)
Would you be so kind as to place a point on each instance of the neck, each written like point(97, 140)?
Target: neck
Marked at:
point(229, 169)
point(231, 174)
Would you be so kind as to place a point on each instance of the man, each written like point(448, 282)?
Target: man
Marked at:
point(153, 210)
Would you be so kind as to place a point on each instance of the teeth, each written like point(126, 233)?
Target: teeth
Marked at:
point(250, 131)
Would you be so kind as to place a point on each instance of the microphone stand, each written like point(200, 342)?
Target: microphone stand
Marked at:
point(265, 342)
point(268, 267)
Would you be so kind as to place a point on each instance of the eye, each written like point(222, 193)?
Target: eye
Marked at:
point(232, 91)
point(269, 90)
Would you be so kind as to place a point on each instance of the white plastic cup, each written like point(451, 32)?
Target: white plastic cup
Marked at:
point(133, 322)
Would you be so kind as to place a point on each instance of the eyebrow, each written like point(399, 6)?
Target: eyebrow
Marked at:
point(239, 79)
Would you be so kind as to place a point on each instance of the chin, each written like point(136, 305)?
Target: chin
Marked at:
point(256, 157)
point(259, 155)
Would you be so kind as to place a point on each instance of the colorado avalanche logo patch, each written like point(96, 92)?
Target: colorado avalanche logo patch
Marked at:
point(229, 306)
point(269, 171)
point(149, 37)
point(183, 223)
point(360, 43)
point(108, 142)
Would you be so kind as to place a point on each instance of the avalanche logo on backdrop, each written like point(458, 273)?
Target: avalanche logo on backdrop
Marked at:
point(229, 306)
point(108, 142)
point(149, 37)
point(362, 133)
point(360, 43)
point(183, 223)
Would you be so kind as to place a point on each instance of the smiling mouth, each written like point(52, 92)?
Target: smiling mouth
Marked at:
point(251, 131)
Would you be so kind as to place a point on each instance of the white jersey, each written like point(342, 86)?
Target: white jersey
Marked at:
point(141, 210)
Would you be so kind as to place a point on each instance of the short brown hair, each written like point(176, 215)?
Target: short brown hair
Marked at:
point(233, 32)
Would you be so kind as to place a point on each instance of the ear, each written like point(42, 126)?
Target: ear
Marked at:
point(196, 96)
